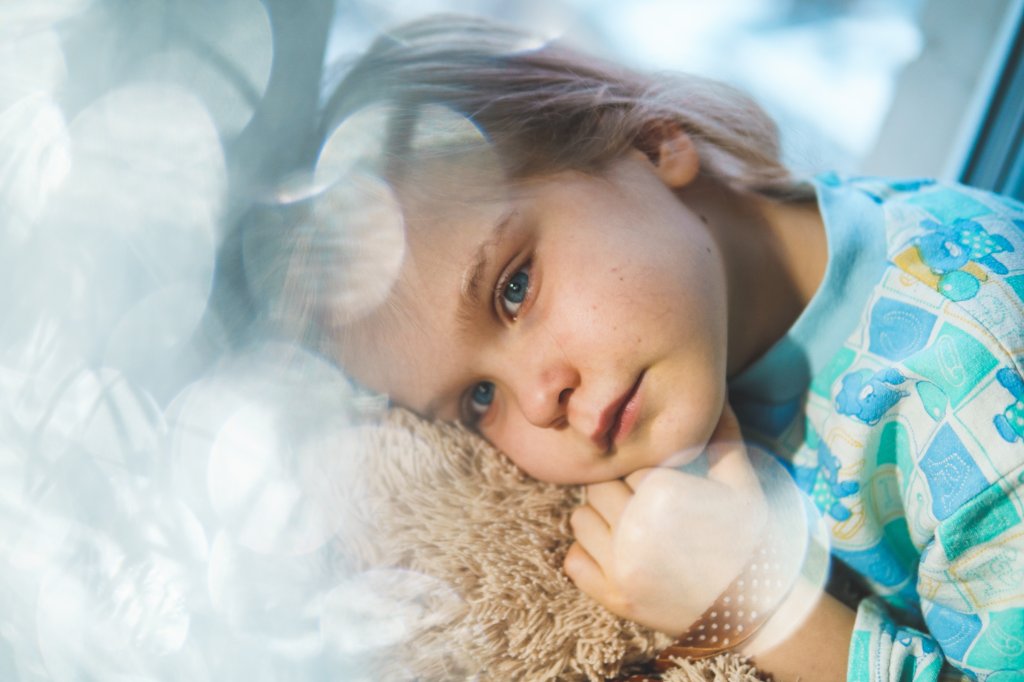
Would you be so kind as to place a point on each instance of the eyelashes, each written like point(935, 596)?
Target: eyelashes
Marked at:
point(477, 402)
point(510, 294)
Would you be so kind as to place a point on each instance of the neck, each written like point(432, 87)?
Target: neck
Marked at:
point(774, 255)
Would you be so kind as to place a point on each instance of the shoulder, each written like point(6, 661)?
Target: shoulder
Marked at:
point(935, 364)
point(914, 207)
point(941, 198)
point(939, 344)
point(954, 272)
point(957, 253)
point(954, 227)
point(938, 353)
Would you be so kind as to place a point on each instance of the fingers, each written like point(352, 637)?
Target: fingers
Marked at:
point(593, 533)
point(728, 460)
point(584, 571)
point(634, 479)
point(609, 499)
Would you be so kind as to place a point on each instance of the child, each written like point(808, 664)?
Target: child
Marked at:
point(619, 261)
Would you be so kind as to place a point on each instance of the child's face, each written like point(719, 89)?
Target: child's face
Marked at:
point(578, 322)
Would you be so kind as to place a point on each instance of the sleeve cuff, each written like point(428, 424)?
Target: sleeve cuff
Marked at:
point(881, 651)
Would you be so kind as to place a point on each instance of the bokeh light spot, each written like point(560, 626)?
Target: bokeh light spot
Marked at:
point(380, 608)
point(110, 615)
point(224, 57)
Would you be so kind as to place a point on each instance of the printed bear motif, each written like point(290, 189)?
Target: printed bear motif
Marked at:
point(1010, 423)
point(821, 482)
point(866, 396)
point(954, 259)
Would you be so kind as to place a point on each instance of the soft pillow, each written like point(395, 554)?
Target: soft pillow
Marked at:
point(456, 556)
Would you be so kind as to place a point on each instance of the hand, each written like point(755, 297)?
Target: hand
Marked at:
point(660, 546)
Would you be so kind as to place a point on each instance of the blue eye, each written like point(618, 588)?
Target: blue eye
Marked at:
point(514, 292)
point(477, 402)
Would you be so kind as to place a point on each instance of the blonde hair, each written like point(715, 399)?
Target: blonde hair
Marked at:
point(541, 107)
point(548, 108)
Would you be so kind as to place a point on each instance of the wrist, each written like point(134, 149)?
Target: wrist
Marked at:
point(777, 587)
point(808, 637)
point(739, 613)
point(790, 612)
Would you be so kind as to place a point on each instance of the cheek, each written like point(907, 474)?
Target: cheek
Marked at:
point(531, 448)
point(511, 439)
point(600, 290)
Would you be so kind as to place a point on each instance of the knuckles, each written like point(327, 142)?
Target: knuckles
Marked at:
point(621, 605)
point(634, 569)
point(574, 563)
point(576, 517)
point(571, 560)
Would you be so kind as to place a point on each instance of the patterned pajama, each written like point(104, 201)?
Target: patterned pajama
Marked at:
point(909, 434)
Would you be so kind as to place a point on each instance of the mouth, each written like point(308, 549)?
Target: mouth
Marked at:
point(619, 418)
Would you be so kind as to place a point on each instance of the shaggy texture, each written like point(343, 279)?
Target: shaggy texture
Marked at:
point(470, 550)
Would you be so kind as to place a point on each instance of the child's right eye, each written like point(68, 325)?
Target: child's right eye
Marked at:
point(478, 401)
point(514, 291)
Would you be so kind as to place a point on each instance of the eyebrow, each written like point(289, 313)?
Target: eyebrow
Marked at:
point(472, 278)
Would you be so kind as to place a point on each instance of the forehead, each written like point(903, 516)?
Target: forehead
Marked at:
point(404, 346)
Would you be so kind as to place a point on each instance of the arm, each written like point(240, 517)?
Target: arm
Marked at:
point(971, 582)
point(818, 647)
point(964, 507)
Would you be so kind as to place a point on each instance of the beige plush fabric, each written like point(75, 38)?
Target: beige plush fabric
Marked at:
point(470, 549)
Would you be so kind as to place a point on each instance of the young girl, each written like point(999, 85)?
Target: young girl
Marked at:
point(617, 262)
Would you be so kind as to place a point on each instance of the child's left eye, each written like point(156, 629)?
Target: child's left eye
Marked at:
point(477, 402)
point(514, 292)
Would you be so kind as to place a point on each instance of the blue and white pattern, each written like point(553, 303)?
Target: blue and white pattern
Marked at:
point(911, 438)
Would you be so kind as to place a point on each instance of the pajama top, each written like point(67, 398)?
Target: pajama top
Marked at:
point(896, 401)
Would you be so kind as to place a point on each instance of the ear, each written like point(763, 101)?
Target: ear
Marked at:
point(672, 153)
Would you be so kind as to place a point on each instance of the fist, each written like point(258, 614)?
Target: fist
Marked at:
point(660, 546)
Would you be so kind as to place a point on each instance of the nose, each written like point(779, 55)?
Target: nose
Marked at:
point(543, 384)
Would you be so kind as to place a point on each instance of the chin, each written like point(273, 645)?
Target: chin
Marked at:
point(687, 446)
point(681, 458)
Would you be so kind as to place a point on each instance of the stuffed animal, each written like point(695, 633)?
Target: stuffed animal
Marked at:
point(455, 555)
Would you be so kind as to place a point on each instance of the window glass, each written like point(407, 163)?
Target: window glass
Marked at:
point(825, 70)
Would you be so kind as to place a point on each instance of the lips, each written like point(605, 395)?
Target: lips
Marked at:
point(618, 418)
